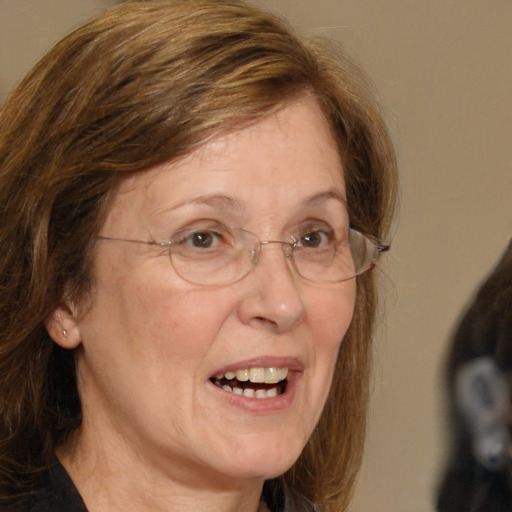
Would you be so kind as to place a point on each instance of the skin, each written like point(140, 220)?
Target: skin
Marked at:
point(157, 434)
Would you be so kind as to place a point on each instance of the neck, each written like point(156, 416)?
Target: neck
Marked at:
point(120, 483)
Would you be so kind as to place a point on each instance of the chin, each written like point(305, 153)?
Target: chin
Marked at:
point(265, 458)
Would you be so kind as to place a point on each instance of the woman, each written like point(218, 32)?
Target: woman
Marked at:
point(188, 193)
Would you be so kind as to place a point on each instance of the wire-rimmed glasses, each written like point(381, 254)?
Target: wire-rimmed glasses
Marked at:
point(222, 255)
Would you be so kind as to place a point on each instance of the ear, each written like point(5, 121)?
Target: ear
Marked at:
point(62, 326)
point(483, 396)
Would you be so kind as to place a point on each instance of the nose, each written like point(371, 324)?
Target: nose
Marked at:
point(274, 292)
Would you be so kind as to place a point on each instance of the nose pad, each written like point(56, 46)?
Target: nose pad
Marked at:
point(288, 251)
point(254, 254)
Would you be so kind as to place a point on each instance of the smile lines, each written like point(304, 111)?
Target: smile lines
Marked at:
point(255, 382)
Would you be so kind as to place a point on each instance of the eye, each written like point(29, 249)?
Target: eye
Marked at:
point(203, 238)
point(316, 238)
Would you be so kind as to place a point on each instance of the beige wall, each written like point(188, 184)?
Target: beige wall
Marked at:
point(443, 71)
point(28, 28)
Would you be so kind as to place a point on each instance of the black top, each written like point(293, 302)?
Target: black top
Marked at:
point(55, 492)
point(475, 489)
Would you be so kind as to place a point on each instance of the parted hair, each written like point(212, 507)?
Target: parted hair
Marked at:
point(144, 83)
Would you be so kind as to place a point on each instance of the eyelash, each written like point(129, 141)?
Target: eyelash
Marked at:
point(217, 228)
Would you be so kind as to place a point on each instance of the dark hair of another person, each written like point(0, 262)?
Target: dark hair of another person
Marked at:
point(484, 331)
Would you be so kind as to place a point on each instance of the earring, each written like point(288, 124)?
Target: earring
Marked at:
point(65, 333)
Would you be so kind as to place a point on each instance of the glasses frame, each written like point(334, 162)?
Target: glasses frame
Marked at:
point(378, 247)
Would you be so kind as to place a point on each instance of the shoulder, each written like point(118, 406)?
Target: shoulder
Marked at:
point(54, 491)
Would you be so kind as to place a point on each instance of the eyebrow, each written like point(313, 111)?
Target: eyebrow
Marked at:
point(217, 201)
point(322, 197)
point(223, 201)
point(214, 200)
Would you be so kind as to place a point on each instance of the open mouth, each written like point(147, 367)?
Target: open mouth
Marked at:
point(253, 382)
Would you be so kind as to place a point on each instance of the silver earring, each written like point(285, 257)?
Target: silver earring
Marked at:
point(65, 333)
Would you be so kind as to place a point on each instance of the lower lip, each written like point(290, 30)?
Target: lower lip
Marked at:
point(261, 405)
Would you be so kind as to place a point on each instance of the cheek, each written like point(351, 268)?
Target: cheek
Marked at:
point(329, 315)
point(331, 312)
point(330, 318)
point(146, 340)
point(177, 323)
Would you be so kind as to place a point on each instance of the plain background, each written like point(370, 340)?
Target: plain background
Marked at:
point(444, 75)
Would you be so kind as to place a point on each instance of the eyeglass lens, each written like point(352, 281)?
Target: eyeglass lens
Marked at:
point(223, 256)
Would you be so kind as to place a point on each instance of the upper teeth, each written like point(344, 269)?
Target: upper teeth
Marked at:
point(270, 375)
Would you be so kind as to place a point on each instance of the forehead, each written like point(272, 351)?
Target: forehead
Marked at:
point(272, 164)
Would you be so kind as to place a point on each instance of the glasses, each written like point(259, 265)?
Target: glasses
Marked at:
point(222, 255)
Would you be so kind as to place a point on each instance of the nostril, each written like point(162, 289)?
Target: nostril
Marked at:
point(261, 320)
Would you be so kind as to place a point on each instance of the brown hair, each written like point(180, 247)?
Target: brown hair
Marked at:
point(144, 83)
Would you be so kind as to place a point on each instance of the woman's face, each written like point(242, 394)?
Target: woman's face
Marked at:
point(154, 347)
